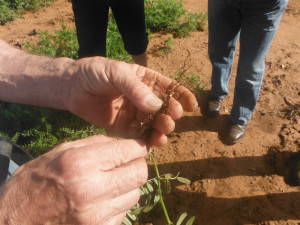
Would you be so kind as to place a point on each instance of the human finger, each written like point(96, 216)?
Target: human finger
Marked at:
point(116, 220)
point(83, 161)
point(185, 97)
point(100, 211)
point(125, 79)
point(125, 178)
point(157, 139)
point(175, 109)
point(100, 186)
point(83, 142)
point(109, 155)
point(164, 124)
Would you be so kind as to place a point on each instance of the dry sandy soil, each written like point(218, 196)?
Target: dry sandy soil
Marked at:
point(246, 183)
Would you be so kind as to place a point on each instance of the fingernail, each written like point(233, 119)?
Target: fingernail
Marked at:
point(153, 101)
point(196, 106)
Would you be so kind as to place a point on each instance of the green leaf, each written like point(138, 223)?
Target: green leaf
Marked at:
point(181, 218)
point(183, 180)
point(169, 188)
point(142, 191)
point(168, 176)
point(146, 191)
point(148, 200)
point(126, 221)
point(149, 186)
point(137, 211)
point(129, 214)
point(156, 198)
point(190, 221)
point(148, 208)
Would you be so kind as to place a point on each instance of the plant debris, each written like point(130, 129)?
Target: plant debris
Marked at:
point(166, 95)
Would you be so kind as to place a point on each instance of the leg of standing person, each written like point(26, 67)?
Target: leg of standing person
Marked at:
point(130, 18)
point(259, 24)
point(91, 18)
point(224, 19)
point(141, 59)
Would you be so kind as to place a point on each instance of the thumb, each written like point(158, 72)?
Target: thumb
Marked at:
point(131, 85)
point(143, 97)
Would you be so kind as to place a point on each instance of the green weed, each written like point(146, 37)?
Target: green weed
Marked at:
point(153, 193)
point(61, 43)
point(167, 48)
point(39, 129)
point(114, 43)
point(161, 15)
point(193, 22)
point(42, 141)
point(191, 81)
point(12, 9)
point(170, 16)
point(6, 12)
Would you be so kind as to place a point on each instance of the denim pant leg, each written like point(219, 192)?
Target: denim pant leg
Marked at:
point(224, 21)
point(259, 24)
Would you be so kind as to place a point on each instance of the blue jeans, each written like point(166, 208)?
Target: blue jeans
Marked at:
point(255, 22)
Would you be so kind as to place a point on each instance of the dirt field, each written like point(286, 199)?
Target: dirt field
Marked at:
point(245, 183)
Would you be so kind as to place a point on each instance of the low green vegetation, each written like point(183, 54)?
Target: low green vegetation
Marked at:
point(191, 81)
point(167, 48)
point(12, 9)
point(170, 16)
point(152, 194)
point(161, 16)
point(38, 129)
point(63, 43)
point(59, 43)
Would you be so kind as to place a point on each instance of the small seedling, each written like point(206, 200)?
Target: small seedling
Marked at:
point(145, 131)
point(167, 48)
point(155, 186)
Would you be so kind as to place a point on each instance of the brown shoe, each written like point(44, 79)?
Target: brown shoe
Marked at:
point(236, 133)
point(213, 106)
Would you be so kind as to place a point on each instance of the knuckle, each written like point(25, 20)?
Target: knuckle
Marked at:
point(62, 146)
point(80, 195)
point(142, 172)
point(71, 163)
point(136, 196)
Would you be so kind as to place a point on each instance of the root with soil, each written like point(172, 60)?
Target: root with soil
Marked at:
point(145, 130)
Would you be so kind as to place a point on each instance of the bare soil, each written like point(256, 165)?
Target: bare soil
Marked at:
point(246, 183)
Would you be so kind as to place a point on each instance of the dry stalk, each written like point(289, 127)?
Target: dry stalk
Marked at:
point(171, 92)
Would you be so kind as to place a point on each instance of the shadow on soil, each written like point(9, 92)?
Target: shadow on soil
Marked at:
point(219, 211)
point(219, 124)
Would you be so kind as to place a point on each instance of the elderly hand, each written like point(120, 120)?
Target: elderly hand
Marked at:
point(119, 96)
point(108, 93)
point(90, 181)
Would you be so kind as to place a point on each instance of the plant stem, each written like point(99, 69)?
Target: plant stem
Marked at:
point(160, 191)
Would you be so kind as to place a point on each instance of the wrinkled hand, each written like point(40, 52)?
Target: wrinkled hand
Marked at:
point(118, 96)
point(90, 181)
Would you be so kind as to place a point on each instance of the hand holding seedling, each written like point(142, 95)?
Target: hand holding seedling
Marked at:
point(107, 93)
point(94, 180)
point(89, 181)
point(120, 96)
